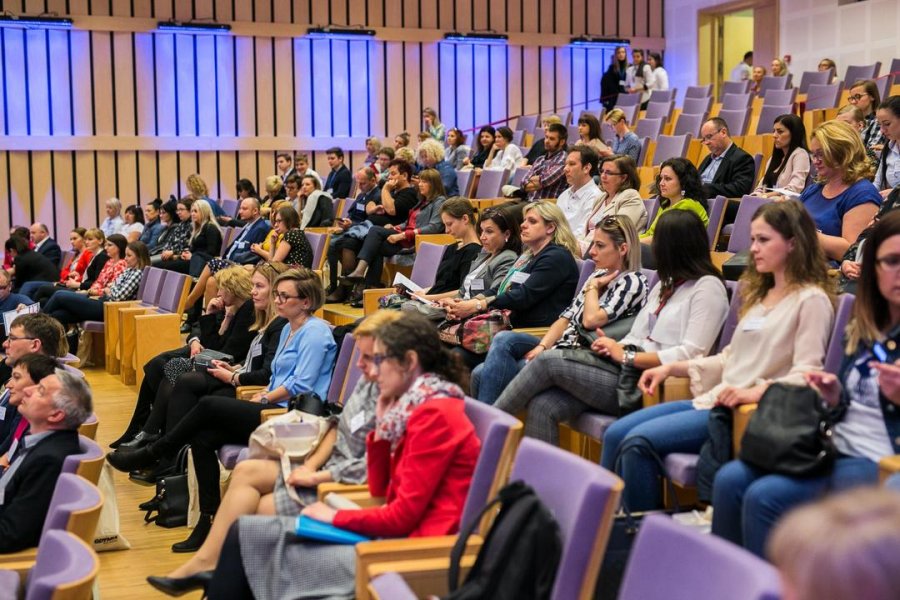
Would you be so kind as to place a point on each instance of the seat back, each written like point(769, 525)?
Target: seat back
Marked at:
point(319, 243)
point(823, 96)
point(660, 110)
point(735, 87)
point(856, 73)
point(740, 235)
point(645, 146)
point(699, 91)
point(670, 146)
point(464, 180)
point(66, 567)
point(518, 137)
point(884, 84)
point(519, 176)
point(65, 258)
point(353, 375)
point(150, 287)
point(663, 95)
point(526, 122)
point(427, 260)
point(227, 233)
point(768, 115)
point(780, 97)
point(732, 318)
point(895, 66)
point(649, 128)
point(736, 101)
point(574, 136)
point(716, 211)
point(651, 205)
point(88, 462)
point(652, 277)
point(668, 556)
point(737, 120)
point(624, 100)
point(688, 124)
point(171, 293)
point(585, 268)
point(835, 351)
point(696, 106)
point(773, 82)
point(582, 497)
point(809, 78)
point(341, 366)
point(74, 507)
point(607, 132)
point(89, 428)
point(631, 111)
point(499, 434)
point(490, 182)
point(230, 207)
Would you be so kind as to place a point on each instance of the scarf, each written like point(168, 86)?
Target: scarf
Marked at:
point(392, 426)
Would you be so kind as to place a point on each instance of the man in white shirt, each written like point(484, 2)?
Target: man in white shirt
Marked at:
point(744, 69)
point(578, 199)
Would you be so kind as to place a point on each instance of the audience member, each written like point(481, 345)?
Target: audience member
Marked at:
point(756, 79)
point(887, 175)
point(22, 232)
point(301, 163)
point(385, 156)
point(338, 182)
point(28, 370)
point(660, 76)
point(520, 367)
point(44, 244)
point(287, 242)
point(484, 143)
point(744, 69)
point(153, 225)
point(679, 187)
point(54, 409)
point(537, 149)
point(354, 224)
point(431, 156)
point(578, 200)
point(28, 265)
point(401, 140)
point(433, 124)
point(73, 269)
point(613, 81)
point(168, 218)
point(373, 145)
point(504, 155)
point(205, 242)
point(245, 189)
point(748, 500)
point(788, 167)
point(727, 170)
point(779, 68)
point(456, 151)
point(285, 166)
point(826, 64)
point(842, 201)
point(626, 142)
point(619, 195)
point(8, 299)
point(639, 77)
point(546, 179)
point(28, 334)
point(315, 207)
point(94, 242)
point(589, 134)
point(275, 191)
point(864, 95)
point(134, 223)
point(179, 237)
point(113, 222)
point(198, 190)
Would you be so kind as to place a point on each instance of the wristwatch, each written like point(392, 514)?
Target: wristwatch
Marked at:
point(264, 399)
point(628, 357)
point(478, 305)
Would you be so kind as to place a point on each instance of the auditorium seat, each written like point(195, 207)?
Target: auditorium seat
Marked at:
point(809, 78)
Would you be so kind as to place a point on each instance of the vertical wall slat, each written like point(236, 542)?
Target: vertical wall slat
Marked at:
point(128, 184)
point(103, 88)
point(430, 13)
point(655, 12)
point(206, 85)
point(168, 175)
point(125, 73)
point(81, 82)
point(530, 81)
point(429, 82)
point(481, 79)
point(146, 100)
point(20, 184)
point(42, 186)
point(6, 208)
point(340, 87)
point(187, 163)
point(185, 89)
point(465, 91)
point(611, 17)
point(265, 86)
point(226, 86)
point(413, 113)
point(246, 106)
point(223, 10)
point(64, 185)
point(514, 83)
point(38, 90)
point(498, 69)
point(282, 12)
point(360, 81)
point(243, 11)
point(207, 169)
point(303, 84)
point(394, 100)
point(626, 19)
point(106, 177)
point(86, 186)
point(530, 17)
point(146, 162)
point(284, 93)
point(228, 174)
point(165, 83)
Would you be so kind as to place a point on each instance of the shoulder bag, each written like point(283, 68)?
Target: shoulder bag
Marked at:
point(476, 332)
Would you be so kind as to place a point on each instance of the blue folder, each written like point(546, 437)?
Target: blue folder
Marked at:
point(310, 529)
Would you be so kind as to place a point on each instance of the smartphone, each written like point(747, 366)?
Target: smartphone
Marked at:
point(880, 353)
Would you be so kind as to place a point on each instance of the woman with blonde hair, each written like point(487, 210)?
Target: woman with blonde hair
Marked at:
point(626, 141)
point(433, 124)
point(113, 223)
point(274, 193)
point(198, 190)
point(204, 244)
point(842, 201)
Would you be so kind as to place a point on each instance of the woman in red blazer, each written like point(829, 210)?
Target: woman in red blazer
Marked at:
point(421, 456)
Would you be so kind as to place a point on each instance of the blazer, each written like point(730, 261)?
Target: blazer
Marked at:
point(261, 366)
point(31, 266)
point(338, 182)
point(93, 269)
point(493, 274)
point(549, 289)
point(27, 496)
point(236, 339)
point(735, 175)
point(794, 175)
point(239, 250)
point(51, 250)
point(208, 242)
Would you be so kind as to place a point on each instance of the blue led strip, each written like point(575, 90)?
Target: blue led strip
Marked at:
point(5, 97)
point(50, 98)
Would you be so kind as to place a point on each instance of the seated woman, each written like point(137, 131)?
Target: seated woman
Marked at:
point(303, 363)
point(168, 218)
point(749, 501)
point(421, 457)
point(589, 132)
point(619, 187)
point(626, 141)
point(274, 192)
point(286, 242)
point(316, 207)
point(456, 151)
point(786, 318)
point(205, 242)
point(504, 155)
point(134, 223)
point(779, 68)
point(481, 266)
point(887, 175)
point(258, 486)
point(484, 142)
point(29, 265)
point(178, 238)
point(225, 326)
point(679, 188)
point(788, 168)
point(69, 307)
point(615, 290)
point(542, 281)
point(842, 201)
point(113, 222)
point(73, 271)
point(153, 225)
point(381, 242)
point(756, 77)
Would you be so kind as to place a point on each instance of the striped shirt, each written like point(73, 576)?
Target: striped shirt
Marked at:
point(625, 294)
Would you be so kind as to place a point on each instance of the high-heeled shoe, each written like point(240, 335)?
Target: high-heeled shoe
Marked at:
point(197, 537)
point(178, 586)
point(126, 461)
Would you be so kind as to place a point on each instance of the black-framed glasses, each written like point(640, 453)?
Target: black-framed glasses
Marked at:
point(13, 338)
point(856, 97)
point(890, 262)
point(282, 297)
point(604, 172)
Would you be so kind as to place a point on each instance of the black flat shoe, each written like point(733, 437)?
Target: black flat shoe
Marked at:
point(129, 461)
point(197, 537)
point(354, 279)
point(178, 586)
point(139, 441)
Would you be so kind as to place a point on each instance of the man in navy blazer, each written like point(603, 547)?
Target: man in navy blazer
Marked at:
point(254, 232)
point(54, 409)
point(44, 244)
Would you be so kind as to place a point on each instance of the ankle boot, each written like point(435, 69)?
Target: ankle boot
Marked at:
point(197, 537)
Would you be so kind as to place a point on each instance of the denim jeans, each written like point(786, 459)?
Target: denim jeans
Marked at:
point(69, 307)
point(30, 287)
point(504, 360)
point(749, 501)
point(669, 427)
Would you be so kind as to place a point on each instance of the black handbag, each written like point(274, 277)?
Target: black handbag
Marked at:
point(171, 500)
point(791, 433)
point(311, 404)
point(629, 397)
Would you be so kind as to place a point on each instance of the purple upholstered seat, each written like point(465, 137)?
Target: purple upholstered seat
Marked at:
point(808, 78)
point(696, 106)
point(592, 424)
point(670, 146)
point(71, 494)
point(689, 124)
point(682, 468)
point(671, 561)
point(490, 182)
point(698, 91)
point(856, 73)
point(823, 96)
point(63, 561)
point(90, 450)
point(317, 241)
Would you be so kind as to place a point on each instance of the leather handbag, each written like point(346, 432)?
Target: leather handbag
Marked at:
point(310, 403)
point(791, 433)
point(476, 332)
point(171, 500)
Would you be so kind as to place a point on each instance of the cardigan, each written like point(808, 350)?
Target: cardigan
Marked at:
point(426, 479)
point(627, 203)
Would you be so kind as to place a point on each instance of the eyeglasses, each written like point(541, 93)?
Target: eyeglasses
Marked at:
point(377, 359)
point(282, 297)
point(709, 136)
point(5, 287)
point(890, 263)
point(610, 173)
point(817, 156)
point(856, 97)
point(13, 338)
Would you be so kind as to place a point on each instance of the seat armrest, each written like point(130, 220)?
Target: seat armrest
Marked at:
point(324, 489)
point(370, 299)
point(538, 332)
point(245, 392)
point(887, 466)
point(427, 576)
point(741, 417)
point(271, 413)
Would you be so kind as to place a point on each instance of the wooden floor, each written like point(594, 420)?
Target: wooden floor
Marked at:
point(123, 573)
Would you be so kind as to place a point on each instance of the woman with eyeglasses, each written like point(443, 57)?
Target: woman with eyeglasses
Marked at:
point(864, 395)
point(302, 363)
point(178, 236)
point(865, 96)
point(287, 242)
point(842, 201)
point(620, 196)
point(615, 290)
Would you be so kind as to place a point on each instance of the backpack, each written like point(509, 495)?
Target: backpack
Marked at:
point(520, 556)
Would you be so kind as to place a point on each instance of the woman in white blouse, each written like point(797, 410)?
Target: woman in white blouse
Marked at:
point(786, 320)
point(619, 185)
point(660, 76)
point(134, 223)
point(788, 169)
point(504, 154)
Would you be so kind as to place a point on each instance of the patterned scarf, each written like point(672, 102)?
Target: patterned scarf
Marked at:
point(392, 426)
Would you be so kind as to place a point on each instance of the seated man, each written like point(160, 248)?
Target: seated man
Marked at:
point(44, 244)
point(546, 177)
point(8, 300)
point(727, 170)
point(27, 371)
point(346, 229)
point(28, 265)
point(338, 182)
point(577, 200)
point(54, 409)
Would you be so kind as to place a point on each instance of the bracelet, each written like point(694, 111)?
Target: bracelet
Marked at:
point(233, 375)
point(541, 344)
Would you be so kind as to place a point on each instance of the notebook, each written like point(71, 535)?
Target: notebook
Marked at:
point(310, 529)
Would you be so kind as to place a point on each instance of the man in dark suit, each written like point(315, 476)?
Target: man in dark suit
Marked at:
point(54, 409)
point(727, 170)
point(339, 179)
point(28, 265)
point(44, 244)
point(285, 166)
point(255, 229)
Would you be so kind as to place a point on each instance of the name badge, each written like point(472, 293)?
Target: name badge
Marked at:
point(478, 284)
point(519, 277)
point(753, 323)
point(360, 206)
point(2, 413)
point(358, 420)
point(256, 351)
point(12, 449)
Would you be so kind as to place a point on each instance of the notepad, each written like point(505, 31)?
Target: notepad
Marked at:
point(10, 315)
point(310, 529)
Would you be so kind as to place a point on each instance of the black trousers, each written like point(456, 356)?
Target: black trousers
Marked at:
point(375, 247)
point(229, 582)
point(171, 406)
point(335, 249)
point(154, 379)
point(214, 422)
